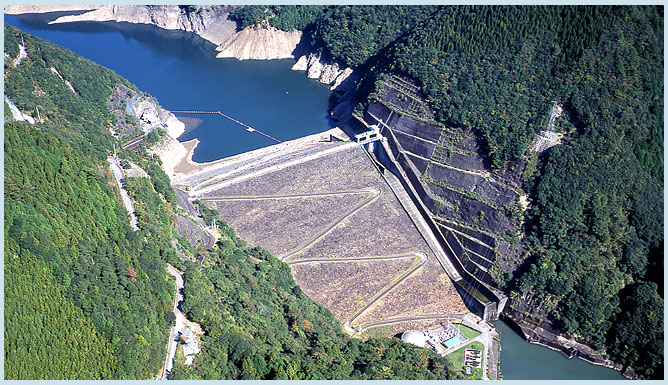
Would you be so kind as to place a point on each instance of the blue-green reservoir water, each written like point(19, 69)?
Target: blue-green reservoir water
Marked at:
point(521, 360)
point(181, 71)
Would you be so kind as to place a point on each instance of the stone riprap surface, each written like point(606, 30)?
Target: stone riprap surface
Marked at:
point(197, 174)
point(337, 278)
point(187, 228)
point(263, 222)
point(417, 296)
point(337, 223)
point(453, 177)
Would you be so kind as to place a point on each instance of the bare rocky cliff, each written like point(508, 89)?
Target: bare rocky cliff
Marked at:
point(210, 22)
point(135, 111)
point(260, 43)
point(320, 66)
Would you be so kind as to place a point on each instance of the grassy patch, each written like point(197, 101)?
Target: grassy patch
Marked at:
point(467, 331)
point(456, 360)
point(179, 358)
point(377, 332)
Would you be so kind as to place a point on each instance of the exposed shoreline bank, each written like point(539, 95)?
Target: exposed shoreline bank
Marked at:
point(177, 157)
point(213, 24)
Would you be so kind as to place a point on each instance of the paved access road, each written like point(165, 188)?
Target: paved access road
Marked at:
point(173, 343)
point(127, 202)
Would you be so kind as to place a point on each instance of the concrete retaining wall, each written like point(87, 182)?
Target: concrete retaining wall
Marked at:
point(487, 309)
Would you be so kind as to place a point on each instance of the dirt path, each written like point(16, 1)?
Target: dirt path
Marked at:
point(118, 174)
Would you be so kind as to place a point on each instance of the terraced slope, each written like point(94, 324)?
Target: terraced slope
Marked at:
point(476, 208)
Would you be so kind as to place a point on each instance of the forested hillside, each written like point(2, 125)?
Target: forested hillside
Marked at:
point(496, 68)
point(594, 229)
point(98, 309)
point(87, 297)
point(597, 226)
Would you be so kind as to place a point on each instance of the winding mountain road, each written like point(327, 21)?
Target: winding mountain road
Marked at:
point(178, 325)
point(372, 193)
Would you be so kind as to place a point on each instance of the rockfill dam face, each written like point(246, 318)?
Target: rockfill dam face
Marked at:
point(326, 210)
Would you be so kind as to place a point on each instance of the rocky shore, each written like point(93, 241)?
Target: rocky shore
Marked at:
point(212, 23)
point(545, 336)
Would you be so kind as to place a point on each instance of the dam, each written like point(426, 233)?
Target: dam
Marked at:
point(324, 206)
point(403, 264)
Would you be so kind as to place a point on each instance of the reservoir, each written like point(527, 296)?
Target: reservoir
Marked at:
point(181, 71)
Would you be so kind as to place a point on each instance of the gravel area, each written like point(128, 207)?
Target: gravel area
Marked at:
point(380, 228)
point(345, 170)
point(190, 230)
point(330, 283)
point(428, 291)
point(265, 222)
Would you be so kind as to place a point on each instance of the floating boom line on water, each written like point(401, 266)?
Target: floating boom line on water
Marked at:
point(248, 128)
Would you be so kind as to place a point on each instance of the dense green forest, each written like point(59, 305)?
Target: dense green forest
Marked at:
point(103, 282)
point(597, 226)
point(61, 341)
point(595, 229)
point(283, 17)
point(496, 69)
point(89, 298)
point(259, 325)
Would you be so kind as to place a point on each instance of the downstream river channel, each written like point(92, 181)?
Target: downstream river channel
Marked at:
point(521, 360)
point(181, 71)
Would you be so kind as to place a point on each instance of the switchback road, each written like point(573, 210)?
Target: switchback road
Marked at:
point(372, 193)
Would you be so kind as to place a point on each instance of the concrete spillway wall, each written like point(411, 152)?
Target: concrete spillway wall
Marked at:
point(477, 297)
